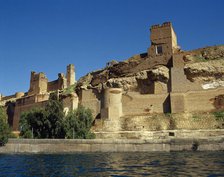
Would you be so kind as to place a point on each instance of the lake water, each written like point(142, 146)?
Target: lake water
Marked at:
point(114, 164)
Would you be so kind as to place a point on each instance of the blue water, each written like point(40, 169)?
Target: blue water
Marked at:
point(114, 164)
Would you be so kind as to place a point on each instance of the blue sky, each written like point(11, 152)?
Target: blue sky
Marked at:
point(46, 35)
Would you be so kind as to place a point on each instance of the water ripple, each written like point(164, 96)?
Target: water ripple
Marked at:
point(209, 164)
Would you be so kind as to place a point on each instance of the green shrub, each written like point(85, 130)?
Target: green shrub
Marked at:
point(78, 124)
point(43, 122)
point(199, 58)
point(50, 122)
point(4, 127)
point(69, 89)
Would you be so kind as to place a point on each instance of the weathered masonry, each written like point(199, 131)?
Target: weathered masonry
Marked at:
point(117, 108)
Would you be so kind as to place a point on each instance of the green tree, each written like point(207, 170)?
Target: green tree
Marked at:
point(34, 123)
point(44, 122)
point(78, 124)
point(55, 115)
point(4, 127)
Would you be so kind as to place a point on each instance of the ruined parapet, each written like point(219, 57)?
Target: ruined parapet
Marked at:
point(112, 104)
point(70, 75)
point(38, 83)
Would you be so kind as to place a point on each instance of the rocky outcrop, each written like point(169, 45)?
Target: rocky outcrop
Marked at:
point(205, 54)
point(205, 71)
point(128, 82)
point(138, 73)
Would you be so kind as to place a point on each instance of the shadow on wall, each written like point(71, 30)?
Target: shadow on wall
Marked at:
point(166, 105)
point(10, 112)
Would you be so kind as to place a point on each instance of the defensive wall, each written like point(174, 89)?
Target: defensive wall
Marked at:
point(133, 103)
point(195, 101)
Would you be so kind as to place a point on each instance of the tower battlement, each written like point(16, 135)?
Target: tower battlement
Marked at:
point(165, 24)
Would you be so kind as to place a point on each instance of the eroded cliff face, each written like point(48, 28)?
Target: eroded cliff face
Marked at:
point(205, 71)
point(136, 81)
point(204, 66)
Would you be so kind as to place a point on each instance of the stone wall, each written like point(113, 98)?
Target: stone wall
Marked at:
point(196, 101)
point(160, 135)
point(53, 85)
point(136, 103)
point(116, 145)
point(25, 104)
point(89, 99)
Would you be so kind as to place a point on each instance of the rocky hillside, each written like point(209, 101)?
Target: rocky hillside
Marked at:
point(206, 66)
point(136, 73)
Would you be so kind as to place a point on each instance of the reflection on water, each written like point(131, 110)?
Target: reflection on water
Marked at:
point(114, 164)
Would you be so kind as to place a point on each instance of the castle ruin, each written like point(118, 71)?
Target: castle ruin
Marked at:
point(109, 104)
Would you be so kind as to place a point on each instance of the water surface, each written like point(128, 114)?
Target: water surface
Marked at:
point(113, 164)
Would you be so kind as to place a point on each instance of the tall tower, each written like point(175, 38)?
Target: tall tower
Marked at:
point(38, 83)
point(70, 75)
point(163, 40)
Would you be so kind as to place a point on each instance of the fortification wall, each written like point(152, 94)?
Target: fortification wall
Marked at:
point(179, 81)
point(88, 98)
point(135, 103)
point(202, 100)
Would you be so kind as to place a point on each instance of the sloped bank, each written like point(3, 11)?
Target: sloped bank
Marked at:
point(167, 144)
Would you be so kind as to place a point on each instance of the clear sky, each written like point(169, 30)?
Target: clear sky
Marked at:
point(46, 35)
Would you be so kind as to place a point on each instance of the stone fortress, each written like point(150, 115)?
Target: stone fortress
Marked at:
point(164, 89)
point(38, 94)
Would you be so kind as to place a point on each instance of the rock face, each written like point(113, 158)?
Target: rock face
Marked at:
point(204, 66)
point(130, 82)
point(205, 71)
point(205, 54)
